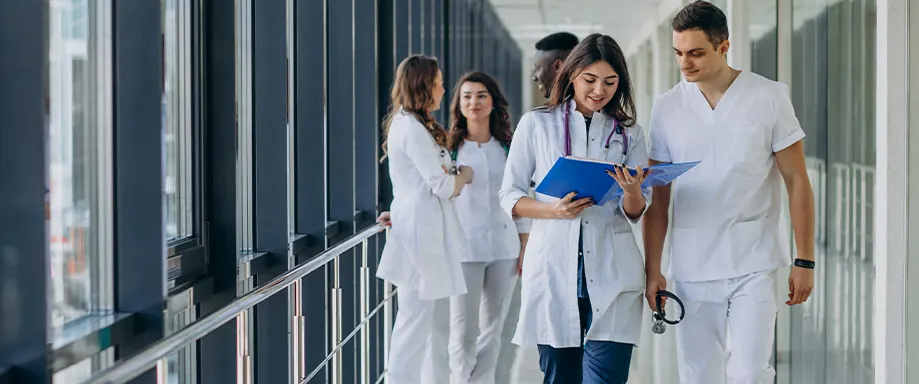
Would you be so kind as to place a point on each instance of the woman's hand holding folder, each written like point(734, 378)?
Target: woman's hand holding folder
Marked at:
point(568, 209)
point(630, 184)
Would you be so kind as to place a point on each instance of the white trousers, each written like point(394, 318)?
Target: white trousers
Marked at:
point(728, 333)
point(508, 359)
point(477, 320)
point(418, 347)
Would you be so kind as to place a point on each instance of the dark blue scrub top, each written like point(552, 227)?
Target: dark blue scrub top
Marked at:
point(582, 279)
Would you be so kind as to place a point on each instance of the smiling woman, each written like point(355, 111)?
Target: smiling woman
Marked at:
point(579, 76)
point(591, 99)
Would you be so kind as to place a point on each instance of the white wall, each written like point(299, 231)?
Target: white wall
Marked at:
point(891, 218)
point(912, 263)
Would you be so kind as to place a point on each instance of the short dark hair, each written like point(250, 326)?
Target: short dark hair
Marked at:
point(559, 41)
point(703, 16)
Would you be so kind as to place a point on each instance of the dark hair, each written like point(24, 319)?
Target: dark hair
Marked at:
point(411, 91)
point(559, 41)
point(705, 17)
point(592, 49)
point(499, 123)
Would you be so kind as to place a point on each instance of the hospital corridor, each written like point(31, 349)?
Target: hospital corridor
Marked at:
point(458, 191)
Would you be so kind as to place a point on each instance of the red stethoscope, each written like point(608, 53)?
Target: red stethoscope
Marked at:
point(617, 130)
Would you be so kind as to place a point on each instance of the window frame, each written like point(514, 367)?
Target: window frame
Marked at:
point(187, 256)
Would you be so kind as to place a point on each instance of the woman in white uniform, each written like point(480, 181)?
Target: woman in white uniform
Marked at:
point(479, 137)
point(583, 276)
point(425, 245)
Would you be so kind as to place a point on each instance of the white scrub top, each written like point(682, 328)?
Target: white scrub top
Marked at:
point(613, 266)
point(491, 234)
point(727, 210)
point(425, 245)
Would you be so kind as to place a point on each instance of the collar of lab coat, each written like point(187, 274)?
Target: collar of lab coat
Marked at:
point(578, 128)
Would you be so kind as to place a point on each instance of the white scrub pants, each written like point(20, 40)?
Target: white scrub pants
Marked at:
point(418, 347)
point(508, 356)
point(477, 320)
point(742, 310)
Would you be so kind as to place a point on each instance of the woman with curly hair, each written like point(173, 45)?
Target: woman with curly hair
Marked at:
point(480, 134)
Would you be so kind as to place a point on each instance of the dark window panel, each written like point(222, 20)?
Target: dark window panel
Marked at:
point(217, 350)
point(310, 88)
point(269, 98)
point(24, 266)
point(138, 210)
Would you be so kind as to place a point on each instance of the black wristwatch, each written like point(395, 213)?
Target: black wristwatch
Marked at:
point(808, 264)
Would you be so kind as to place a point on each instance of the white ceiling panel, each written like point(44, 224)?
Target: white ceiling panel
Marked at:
point(530, 20)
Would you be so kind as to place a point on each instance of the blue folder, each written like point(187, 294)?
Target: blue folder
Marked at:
point(588, 178)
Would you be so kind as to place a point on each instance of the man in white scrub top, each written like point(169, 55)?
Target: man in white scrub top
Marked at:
point(728, 238)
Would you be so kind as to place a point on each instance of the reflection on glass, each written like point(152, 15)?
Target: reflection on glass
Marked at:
point(77, 74)
point(833, 93)
point(176, 115)
point(763, 37)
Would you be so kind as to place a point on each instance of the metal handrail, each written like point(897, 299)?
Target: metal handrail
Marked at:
point(148, 358)
point(351, 335)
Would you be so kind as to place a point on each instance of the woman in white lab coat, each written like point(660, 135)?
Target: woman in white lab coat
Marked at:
point(425, 245)
point(480, 134)
point(583, 276)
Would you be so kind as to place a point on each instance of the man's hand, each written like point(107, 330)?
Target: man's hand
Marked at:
point(653, 283)
point(384, 219)
point(800, 285)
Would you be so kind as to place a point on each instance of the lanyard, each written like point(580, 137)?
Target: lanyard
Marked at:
point(617, 129)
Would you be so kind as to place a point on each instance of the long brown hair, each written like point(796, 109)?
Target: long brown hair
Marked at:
point(592, 49)
point(498, 121)
point(412, 93)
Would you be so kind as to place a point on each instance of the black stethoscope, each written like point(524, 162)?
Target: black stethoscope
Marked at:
point(617, 130)
point(660, 317)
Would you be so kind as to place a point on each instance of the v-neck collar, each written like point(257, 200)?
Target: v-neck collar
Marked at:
point(702, 105)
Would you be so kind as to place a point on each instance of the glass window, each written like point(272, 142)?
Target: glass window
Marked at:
point(177, 118)
point(79, 155)
point(178, 122)
point(833, 86)
point(762, 15)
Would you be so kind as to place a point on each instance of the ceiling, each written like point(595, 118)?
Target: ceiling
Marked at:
point(530, 20)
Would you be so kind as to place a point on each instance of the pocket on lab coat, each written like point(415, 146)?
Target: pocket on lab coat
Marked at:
point(629, 262)
point(534, 254)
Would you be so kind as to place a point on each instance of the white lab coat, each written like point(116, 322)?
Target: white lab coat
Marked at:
point(612, 262)
point(491, 234)
point(425, 245)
